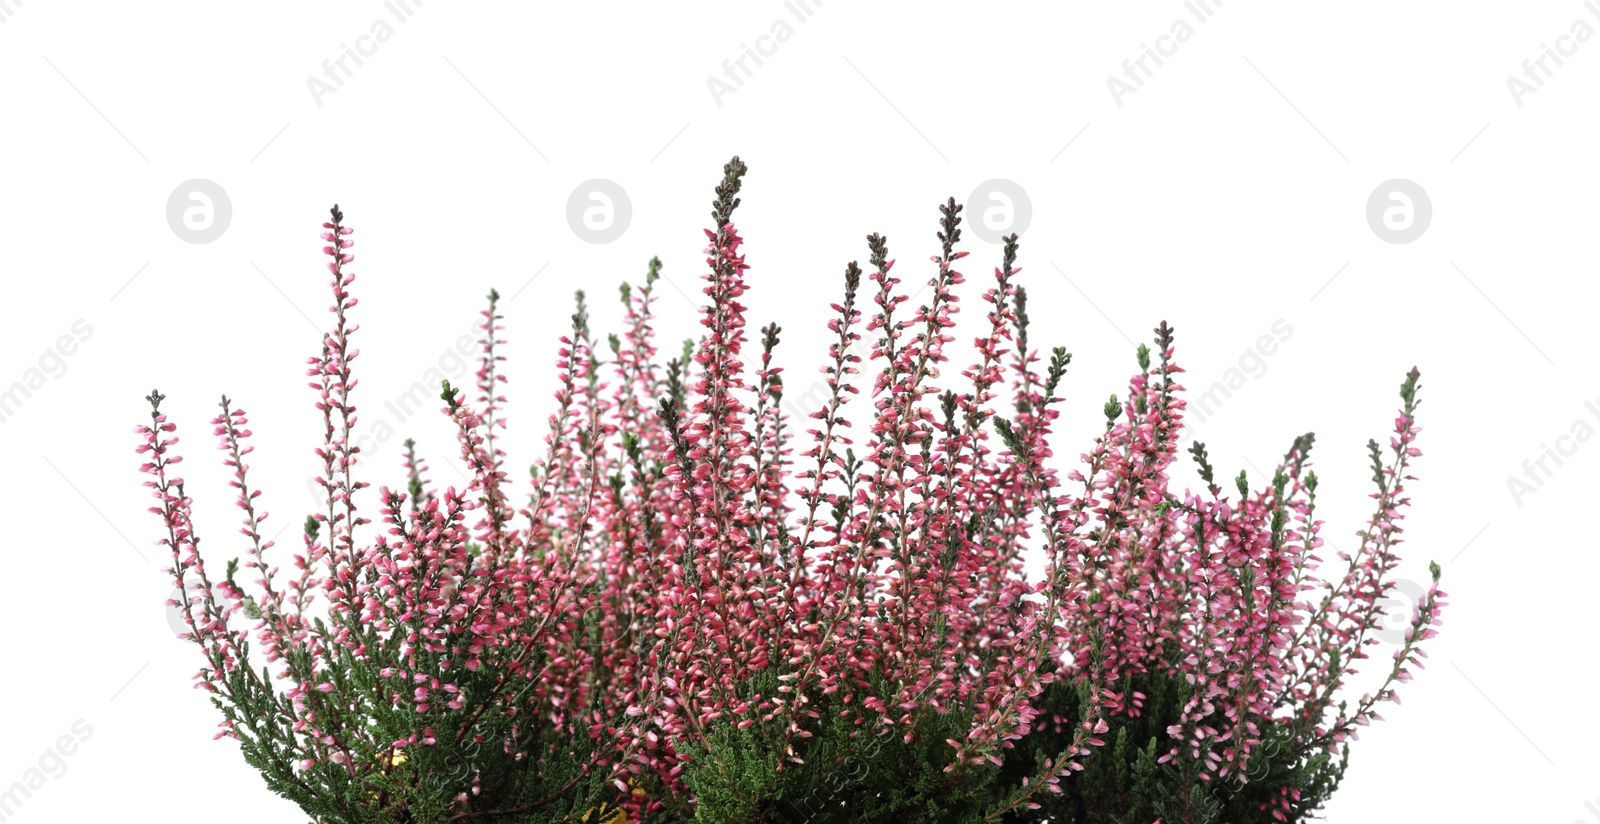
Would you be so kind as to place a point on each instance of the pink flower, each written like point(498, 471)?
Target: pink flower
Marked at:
point(680, 539)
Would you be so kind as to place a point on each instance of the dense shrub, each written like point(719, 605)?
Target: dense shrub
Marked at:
point(708, 611)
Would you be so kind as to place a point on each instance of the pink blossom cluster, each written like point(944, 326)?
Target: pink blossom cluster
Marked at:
point(689, 557)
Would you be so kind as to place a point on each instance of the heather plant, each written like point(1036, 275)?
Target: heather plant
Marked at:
point(814, 633)
point(412, 680)
point(1224, 675)
point(869, 648)
point(707, 611)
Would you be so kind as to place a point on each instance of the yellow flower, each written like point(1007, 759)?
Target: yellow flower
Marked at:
point(395, 760)
point(618, 816)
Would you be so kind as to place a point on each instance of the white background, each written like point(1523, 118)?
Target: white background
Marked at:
point(1227, 193)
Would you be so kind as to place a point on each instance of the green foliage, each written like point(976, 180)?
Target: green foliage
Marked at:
point(851, 777)
point(853, 771)
point(1125, 783)
point(545, 790)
